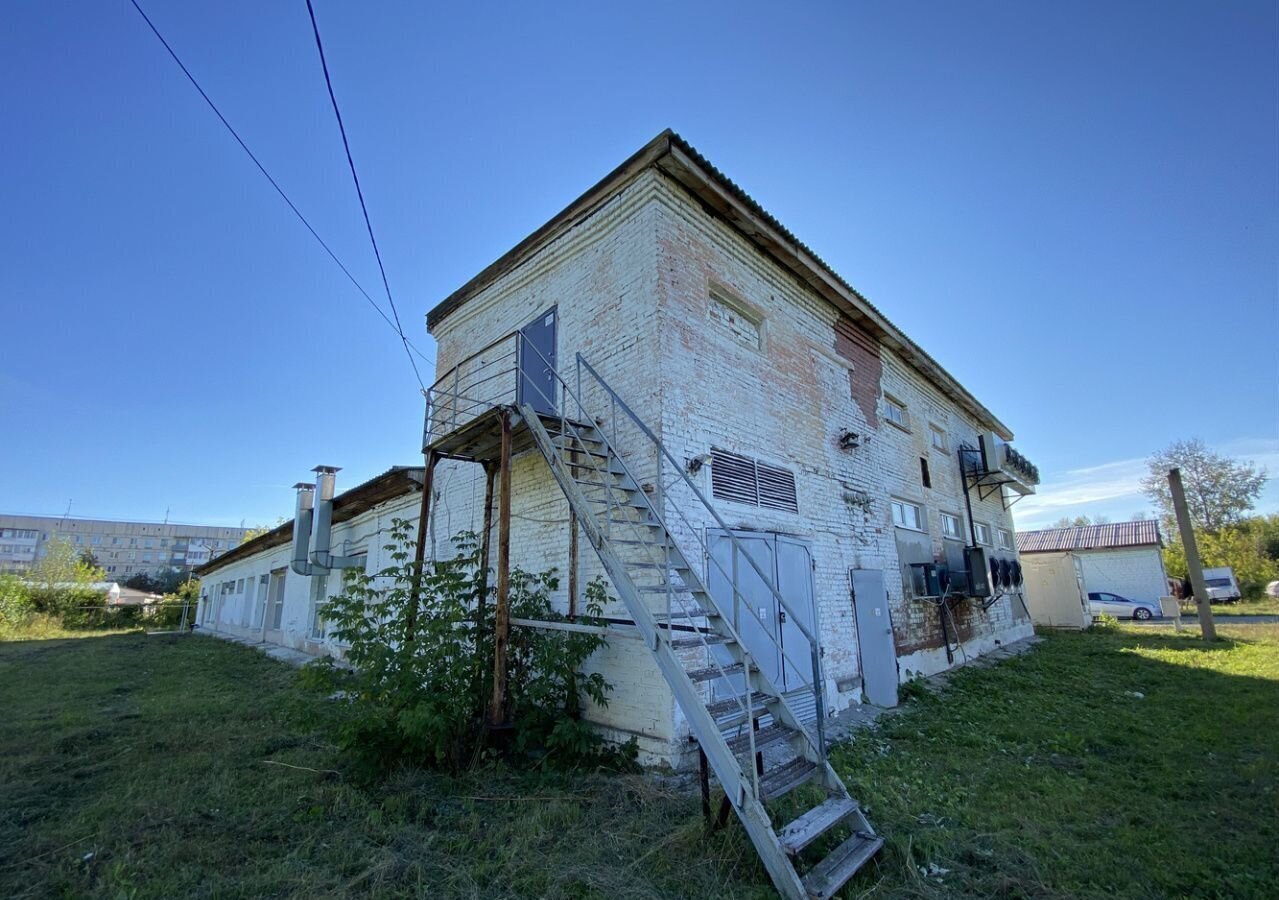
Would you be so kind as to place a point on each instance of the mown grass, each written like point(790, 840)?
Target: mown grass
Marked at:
point(171, 766)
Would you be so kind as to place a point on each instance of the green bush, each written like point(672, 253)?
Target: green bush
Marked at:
point(16, 606)
point(420, 646)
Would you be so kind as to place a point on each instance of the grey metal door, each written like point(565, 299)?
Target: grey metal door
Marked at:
point(752, 608)
point(536, 382)
point(774, 639)
point(875, 642)
point(794, 582)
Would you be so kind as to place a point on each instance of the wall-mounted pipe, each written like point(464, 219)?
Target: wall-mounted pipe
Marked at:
point(302, 515)
point(321, 534)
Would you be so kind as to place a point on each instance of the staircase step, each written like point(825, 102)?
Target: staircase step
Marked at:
point(817, 821)
point(781, 780)
point(765, 736)
point(758, 701)
point(662, 588)
point(706, 638)
point(833, 872)
point(709, 672)
point(693, 613)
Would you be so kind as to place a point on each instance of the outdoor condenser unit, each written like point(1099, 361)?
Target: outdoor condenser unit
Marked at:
point(978, 573)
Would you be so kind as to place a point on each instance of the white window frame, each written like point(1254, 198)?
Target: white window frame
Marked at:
point(937, 438)
point(1005, 538)
point(959, 526)
point(978, 529)
point(899, 508)
point(893, 405)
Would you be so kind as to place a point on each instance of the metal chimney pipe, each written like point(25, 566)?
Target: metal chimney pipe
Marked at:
point(321, 536)
point(302, 527)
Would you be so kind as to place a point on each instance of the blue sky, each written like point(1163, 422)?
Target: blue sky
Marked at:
point(1074, 207)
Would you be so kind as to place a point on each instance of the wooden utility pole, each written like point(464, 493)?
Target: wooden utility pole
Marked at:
point(1206, 626)
point(419, 553)
point(502, 607)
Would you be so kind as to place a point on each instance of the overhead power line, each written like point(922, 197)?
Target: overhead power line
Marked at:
point(328, 82)
point(279, 190)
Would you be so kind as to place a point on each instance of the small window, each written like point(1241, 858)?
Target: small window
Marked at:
point(951, 527)
point(745, 480)
point(938, 437)
point(983, 533)
point(907, 515)
point(924, 477)
point(1005, 539)
point(239, 586)
point(895, 412)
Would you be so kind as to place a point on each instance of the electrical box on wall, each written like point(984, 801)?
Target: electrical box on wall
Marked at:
point(928, 579)
point(978, 573)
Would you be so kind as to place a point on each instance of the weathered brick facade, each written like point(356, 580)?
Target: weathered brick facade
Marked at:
point(716, 344)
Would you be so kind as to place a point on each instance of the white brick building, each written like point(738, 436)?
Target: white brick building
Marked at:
point(827, 441)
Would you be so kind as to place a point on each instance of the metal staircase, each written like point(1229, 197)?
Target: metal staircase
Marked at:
point(737, 715)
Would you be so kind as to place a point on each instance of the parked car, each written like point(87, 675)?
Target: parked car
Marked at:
point(1221, 584)
point(1121, 607)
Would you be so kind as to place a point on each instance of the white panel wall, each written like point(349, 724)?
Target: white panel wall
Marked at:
point(1136, 573)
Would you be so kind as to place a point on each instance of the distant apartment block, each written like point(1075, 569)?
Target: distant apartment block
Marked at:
point(121, 548)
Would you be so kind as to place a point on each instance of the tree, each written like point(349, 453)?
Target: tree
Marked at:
point(61, 582)
point(1077, 521)
point(1219, 490)
point(252, 533)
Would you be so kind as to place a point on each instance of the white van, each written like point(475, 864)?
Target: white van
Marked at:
point(1222, 585)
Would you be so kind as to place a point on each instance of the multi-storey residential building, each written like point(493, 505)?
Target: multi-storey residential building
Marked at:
point(122, 549)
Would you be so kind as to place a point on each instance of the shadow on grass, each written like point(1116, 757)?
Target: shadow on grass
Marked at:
point(1079, 770)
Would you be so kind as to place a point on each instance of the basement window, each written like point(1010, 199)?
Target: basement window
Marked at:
point(745, 480)
point(907, 515)
point(924, 477)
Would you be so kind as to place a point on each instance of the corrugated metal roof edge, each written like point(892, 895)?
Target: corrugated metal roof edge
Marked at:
point(283, 533)
point(1112, 536)
point(648, 156)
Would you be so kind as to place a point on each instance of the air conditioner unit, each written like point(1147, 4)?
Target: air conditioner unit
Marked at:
point(978, 572)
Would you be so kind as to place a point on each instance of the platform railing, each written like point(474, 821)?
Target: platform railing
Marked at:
point(487, 378)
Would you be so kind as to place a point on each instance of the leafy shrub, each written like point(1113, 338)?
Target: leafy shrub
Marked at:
point(1104, 622)
point(16, 607)
point(420, 646)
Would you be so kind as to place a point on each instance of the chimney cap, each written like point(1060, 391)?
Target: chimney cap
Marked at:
point(304, 486)
point(327, 470)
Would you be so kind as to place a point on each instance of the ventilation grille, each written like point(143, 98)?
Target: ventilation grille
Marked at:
point(745, 480)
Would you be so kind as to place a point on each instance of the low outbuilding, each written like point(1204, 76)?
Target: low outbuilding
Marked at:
point(1063, 565)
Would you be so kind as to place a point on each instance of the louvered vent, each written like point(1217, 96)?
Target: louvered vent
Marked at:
point(745, 480)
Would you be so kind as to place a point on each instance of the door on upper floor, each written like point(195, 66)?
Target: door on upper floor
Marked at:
point(536, 382)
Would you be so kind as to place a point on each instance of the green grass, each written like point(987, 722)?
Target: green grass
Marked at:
point(1261, 606)
point(1048, 777)
point(163, 766)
